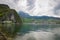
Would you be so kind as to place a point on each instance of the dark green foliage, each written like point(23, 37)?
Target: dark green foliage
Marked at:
point(3, 10)
point(3, 7)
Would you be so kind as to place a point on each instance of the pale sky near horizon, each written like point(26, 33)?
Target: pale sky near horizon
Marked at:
point(35, 7)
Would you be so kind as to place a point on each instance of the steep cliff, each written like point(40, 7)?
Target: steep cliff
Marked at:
point(10, 21)
point(7, 14)
point(3, 10)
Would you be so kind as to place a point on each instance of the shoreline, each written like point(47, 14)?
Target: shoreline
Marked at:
point(40, 24)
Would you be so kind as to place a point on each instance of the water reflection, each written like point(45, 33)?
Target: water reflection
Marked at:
point(30, 27)
point(39, 32)
point(32, 32)
point(10, 29)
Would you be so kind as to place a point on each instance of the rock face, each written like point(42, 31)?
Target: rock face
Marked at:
point(8, 19)
point(7, 14)
point(3, 9)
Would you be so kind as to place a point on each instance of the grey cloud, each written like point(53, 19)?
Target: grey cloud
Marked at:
point(56, 9)
point(15, 1)
point(11, 3)
point(31, 4)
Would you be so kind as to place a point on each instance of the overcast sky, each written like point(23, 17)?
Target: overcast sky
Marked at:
point(35, 7)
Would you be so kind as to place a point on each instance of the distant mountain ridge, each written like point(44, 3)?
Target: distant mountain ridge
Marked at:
point(23, 14)
point(26, 15)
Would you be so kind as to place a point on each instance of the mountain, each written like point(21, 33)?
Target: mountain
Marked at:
point(39, 19)
point(11, 17)
point(26, 15)
point(23, 14)
point(44, 17)
point(8, 14)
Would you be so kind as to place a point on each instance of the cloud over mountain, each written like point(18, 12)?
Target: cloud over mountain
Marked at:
point(35, 7)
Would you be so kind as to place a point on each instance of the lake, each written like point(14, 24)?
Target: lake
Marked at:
point(39, 32)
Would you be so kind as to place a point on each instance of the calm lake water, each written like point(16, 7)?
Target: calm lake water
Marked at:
point(34, 27)
point(33, 31)
point(38, 32)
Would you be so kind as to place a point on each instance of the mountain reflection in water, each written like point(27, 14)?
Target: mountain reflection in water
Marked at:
point(39, 32)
